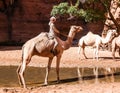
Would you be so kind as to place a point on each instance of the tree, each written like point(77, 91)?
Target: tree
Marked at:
point(85, 9)
point(80, 9)
point(107, 6)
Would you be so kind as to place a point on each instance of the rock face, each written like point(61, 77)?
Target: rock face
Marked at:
point(32, 17)
point(31, 20)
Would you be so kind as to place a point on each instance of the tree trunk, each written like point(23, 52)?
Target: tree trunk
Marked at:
point(115, 22)
point(111, 16)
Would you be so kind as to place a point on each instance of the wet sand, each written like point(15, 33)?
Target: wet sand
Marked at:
point(11, 56)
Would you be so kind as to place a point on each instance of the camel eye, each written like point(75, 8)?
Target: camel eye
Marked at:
point(76, 28)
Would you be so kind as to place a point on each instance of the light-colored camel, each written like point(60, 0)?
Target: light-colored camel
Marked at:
point(94, 40)
point(41, 45)
point(115, 45)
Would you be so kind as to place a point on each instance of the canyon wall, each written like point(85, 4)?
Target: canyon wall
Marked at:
point(32, 16)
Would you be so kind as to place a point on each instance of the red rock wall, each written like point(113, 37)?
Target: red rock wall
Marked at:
point(31, 20)
point(3, 28)
point(32, 17)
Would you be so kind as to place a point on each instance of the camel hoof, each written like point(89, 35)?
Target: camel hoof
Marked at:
point(45, 84)
point(85, 57)
point(25, 87)
point(58, 81)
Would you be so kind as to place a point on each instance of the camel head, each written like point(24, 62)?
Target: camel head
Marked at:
point(73, 30)
point(76, 28)
point(113, 32)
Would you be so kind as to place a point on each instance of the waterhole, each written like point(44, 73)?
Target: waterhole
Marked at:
point(35, 75)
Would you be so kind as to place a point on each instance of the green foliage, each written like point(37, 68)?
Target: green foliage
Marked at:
point(72, 10)
point(87, 14)
point(61, 9)
point(77, 3)
point(82, 13)
point(107, 3)
point(92, 15)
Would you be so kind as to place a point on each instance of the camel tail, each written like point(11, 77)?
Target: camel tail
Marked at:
point(80, 44)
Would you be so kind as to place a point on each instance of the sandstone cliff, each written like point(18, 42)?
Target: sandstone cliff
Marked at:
point(32, 17)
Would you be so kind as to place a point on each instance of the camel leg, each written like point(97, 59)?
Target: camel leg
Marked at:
point(119, 51)
point(80, 72)
point(94, 49)
point(83, 52)
point(79, 48)
point(113, 52)
point(57, 67)
point(20, 72)
point(97, 53)
point(113, 49)
point(48, 70)
point(26, 57)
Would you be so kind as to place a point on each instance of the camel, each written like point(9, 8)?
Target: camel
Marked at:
point(41, 45)
point(94, 40)
point(115, 45)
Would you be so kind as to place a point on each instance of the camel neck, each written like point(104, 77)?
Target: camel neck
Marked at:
point(65, 44)
point(68, 43)
point(107, 38)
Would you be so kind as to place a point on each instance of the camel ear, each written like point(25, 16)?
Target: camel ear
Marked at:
point(76, 27)
point(80, 27)
point(72, 26)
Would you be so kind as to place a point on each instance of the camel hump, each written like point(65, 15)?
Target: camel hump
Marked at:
point(43, 34)
point(45, 43)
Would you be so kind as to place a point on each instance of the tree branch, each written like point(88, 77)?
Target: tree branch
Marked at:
point(111, 16)
point(115, 22)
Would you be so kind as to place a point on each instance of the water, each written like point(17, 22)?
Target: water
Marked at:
point(35, 76)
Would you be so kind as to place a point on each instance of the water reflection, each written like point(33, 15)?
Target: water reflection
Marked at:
point(99, 74)
point(35, 75)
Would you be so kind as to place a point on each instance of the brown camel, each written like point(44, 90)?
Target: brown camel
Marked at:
point(41, 45)
point(115, 46)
